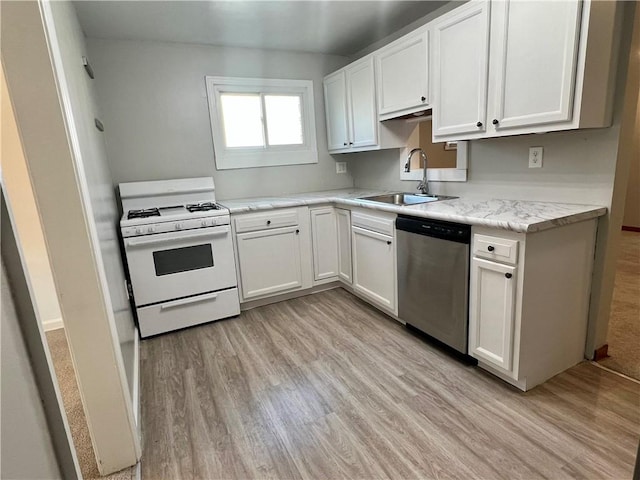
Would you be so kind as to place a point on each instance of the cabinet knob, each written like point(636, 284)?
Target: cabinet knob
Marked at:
point(297, 232)
point(479, 124)
point(388, 242)
point(423, 98)
point(495, 121)
point(490, 248)
point(268, 222)
point(508, 275)
point(350, 143)
point(345, 144)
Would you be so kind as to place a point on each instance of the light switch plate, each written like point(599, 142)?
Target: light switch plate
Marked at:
point(535, 157)
point(341, 167)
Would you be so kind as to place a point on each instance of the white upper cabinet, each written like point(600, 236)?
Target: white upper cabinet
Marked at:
point(402, 71)
point(335, 106)
point(461, 43)
point(534, 55)
point(363, 121)
point(352, 118)
point(514, 67)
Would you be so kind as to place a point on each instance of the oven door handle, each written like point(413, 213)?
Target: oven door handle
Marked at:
point(215, 231)
point(188, 301)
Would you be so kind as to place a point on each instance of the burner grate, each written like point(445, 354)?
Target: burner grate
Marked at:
point(202, 207)
point(143, 213)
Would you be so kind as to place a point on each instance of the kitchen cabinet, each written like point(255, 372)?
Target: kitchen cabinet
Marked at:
point(324, 234)
point(492, 317)
point(343, 218)
point(402, 72)
point(273, 252)
point(512, 68)
point(374, 259)
point(534, 55)
point(269, 261)
point(335, 106)
point(351, 113)
point(351, 108)
point(529, 300)
point(461, 42)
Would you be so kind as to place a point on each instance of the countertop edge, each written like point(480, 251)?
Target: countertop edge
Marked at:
point(271, 203)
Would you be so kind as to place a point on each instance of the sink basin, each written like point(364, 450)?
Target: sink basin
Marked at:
point(403, 199)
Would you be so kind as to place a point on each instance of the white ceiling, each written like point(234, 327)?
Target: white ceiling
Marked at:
point(321, 26)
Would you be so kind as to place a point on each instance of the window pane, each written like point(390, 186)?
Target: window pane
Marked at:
point(284, 119)
point(242, 118)
point(183, 259)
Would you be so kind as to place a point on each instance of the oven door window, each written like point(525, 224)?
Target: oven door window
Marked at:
point(183, 259)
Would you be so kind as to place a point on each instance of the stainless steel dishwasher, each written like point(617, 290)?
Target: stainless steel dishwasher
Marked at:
point(433, 278)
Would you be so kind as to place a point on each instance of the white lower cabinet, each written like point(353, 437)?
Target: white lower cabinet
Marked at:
point(374, 266)
point(272, 259)
point(343, 218)
point(529, 300)
point(269, 261)
point(324, 235)
point(492, 317)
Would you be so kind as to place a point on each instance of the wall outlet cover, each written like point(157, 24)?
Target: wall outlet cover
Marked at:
point(341, 167)
point(535, 157)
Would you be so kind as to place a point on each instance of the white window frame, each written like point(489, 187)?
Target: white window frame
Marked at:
point(267, 156)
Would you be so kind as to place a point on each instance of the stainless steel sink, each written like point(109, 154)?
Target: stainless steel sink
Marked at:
point(403, 199)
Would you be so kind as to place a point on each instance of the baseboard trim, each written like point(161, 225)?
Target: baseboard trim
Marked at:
point(53, 324)
point(628, 228)
point(601, 352)
point(261, 302)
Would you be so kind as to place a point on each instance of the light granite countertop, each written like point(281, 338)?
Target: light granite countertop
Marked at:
point(514, 215)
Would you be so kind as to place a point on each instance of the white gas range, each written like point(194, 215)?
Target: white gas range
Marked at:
point(178, 247)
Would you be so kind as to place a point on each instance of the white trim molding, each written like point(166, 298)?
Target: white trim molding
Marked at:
point(52, 324)
point(268, 155)
point(457, 174)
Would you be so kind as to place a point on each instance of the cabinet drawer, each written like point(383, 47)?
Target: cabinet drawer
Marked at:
point(377, 224)
point(495, 248)
point(187, 312)
point(266, 220)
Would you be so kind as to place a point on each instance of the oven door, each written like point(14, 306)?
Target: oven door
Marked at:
point(172, 265)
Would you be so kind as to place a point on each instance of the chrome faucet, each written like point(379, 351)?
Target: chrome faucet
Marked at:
point(422, 186)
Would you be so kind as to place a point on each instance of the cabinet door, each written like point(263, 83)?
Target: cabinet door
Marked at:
point(533, 55)
point(374, 267)
point(324, 231)
point(403, 75)
point(461, 49)
point(335, 105)
point(269, 261)
point(344, 244)
point(363, 117)
point(492, 312)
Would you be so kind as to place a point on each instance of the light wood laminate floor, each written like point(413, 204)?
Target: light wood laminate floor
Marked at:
point(326, 387)
point(623, 336)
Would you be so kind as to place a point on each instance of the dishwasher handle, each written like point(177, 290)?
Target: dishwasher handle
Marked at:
point(455, 232)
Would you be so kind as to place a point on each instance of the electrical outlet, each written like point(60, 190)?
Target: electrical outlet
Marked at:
point(535, 157)
point(341, 167)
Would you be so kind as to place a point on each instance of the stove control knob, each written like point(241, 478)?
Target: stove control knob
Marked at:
point(139, 231)
point(151, 229)
point(178, 226)
point(204, 223)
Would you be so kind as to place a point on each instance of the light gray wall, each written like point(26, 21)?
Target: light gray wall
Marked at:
point(579, 167)
point(156, 115)
point(94, 168)
point(27, 449)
